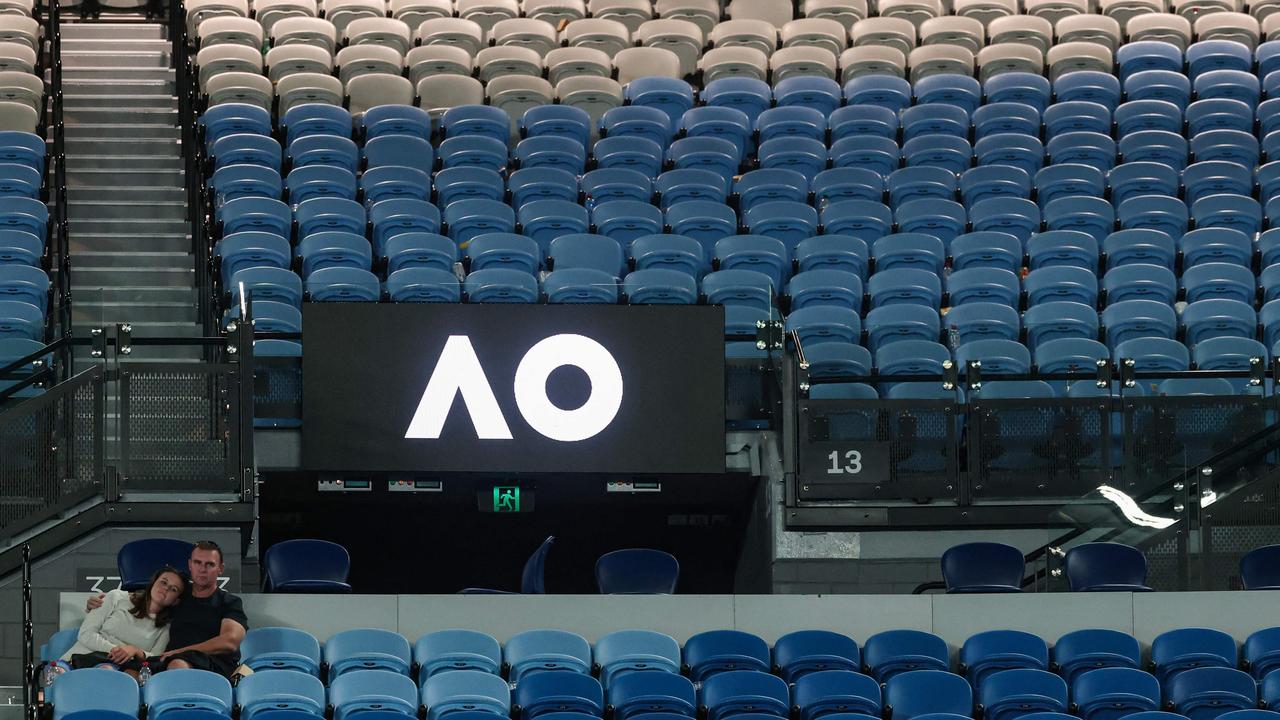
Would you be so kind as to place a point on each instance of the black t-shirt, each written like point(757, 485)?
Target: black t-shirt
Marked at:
point(196, 620)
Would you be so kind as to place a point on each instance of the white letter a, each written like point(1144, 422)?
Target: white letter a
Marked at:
point(458, 370)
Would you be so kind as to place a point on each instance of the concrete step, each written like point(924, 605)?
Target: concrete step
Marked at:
point(89, 314)
point(103, 45)
point(135, 226)
point(125, 193)
point(141, 147)
point(140, 209)
point(82, 177)
point(127, 242)
point(119, 100)
point(126, 86)
point(85, 131)
point(134, 259)
point(125, 162)
point(106, 115)
point(106, 73)
point(85, 58)
point(87, 291)
point(112, 30)
point(124, 278)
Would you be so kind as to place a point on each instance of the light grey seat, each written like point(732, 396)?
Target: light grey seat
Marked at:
point(774, 12)
point(18, 116)
point(679, 36)
point(568, 62)
point(1034, 31)
point(374, 89)
point(438, 60)
point(22, 88)
point(1239, 27)
point(458, 32)
point(508, 60)
point(20, 29)
point(17, 7)
point(391, 33)
point(487, 13)
point(227, 58)
point(342, 12)
point(845, 12)
point(965, 32)
point(356, 60)
point(437, 93)
point(305, 31)
point(816, 32)
point(894, 32)
point(1193, 9)
point(805, 61)
point(606, 35)
point(638, 62)
point(929, 60)
point(703, 13)
point(515, 94)
point(748, 33)
point(241, 87)
point(985, 11)
point(284, 60)
point(1089, 28)
point(1009, 57)
point(631, 13)
point(536, 35)
point(872, 60)
point(593, 95)
point(1070, 57)
point(230, 30)
point(197, 12)
point(1263, 9)
point(415, 12)
point(554, 12)
point(1271, 27)
point(1055, 10)
point(916, 11)
point(17, 56)
point(1154, 25)
point(726, 62)
point(269, 12)
point(303, 88)
point(1126, 10)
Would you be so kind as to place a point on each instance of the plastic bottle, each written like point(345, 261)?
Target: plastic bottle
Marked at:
point(144, 674)
point(953, 337)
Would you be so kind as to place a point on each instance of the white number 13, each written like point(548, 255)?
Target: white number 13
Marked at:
point(852, 463)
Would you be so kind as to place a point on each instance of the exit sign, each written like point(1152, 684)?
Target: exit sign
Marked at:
point(506, 499)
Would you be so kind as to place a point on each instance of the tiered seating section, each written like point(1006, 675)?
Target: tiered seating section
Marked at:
point(1040, 190)
point(643, 675)
point(24, 216)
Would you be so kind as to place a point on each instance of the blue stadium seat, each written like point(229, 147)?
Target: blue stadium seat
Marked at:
point(921, 183)
point(1133, 179)
point(234, 181)
point(827, 287)
point(636, 121)
point(1147, 246)
point(793, 122)
point(720, 122)
point(1209, 55)
point(541, 693)
point(983, 285)
point(21, 320)
point(1081, 651)
point(1214, 177)
point(760, 186)
point(28, 215)
point(934, 119)
point(366, 649)
point(989, 567)
point(1005, 117)
point(609, 184)
point(265, 283)
point(557, 121)
point(784, 220)
point(1015, 693)
point(909, 250)
point(1139, 115)
point(985, 654)
point(1148, 55)
point(1091, 85)
point(1015, 216)
point(400, 216)
point(251, 249)
point(1165, 85)
point(991, 181)
point(26, 149)
point(862, 219)
point(303, 565)
point(704, 220)
point(872, 153)
point(1153, 212)
point(267, 692)
point(464, 691)
point(320, 119)
point(1020, 87)
point(817, 93)
point(1063, 118)
point(891, 324)
point(479, 151)
point(187, 690)
point(503, 250)
point(842, 391)
point(763, 254)
point(893, 652)
point(552, 152)
point(584, 250)
point(838, 252)
point(1237, 85)
point(1049, 321)
point(1234, 212)
point(803, 652)
point(943, 219)
point(423, 284)
point(465, 219)
point(1091, 215)
point(692, 184)
point(626, 220)
point(660, 287)
point(466, 183)
point(225, 119)
point(1153, 354)
point(749, 95)
point(18, 247)
point(853, 120)
point(328, 150)
point(500, 285)
point(1205, 693)
point(997, 357)
point(642, 694)
point(717, 651)
point(1226, 281)
point(824, 693)
point(670, 252)
point(824, 323)
point(63, 640)
point(1106, 566)
point(912, 357)
point(887, 91)
point(319, 181)
point(1140, 281)
point(481, 120)
point(984, 321)
point(1138, 319)
point(1112, 692)
point(534, 651)
point(944, 151)
point(1220, 113)
point(1159, 146)
point(921, 693)
point(1230, 353)
point(674, 97)
point(739, 287)
point(96, 690)
point(1056, 248)
point(1260, 653)
point(393, 120)
point(986, 249)
point(139, 559)
point(803, 155)
point(448, 650)
point(735, 692)
point(905, 285)
point(329, 214)
point(1067, 180)
point(546, 220)
point(1205, 319)
point(705, 153)
point(629, 151)
point(950, 88)
point(1257, 572)
point(1227, 145)
point(333, 249)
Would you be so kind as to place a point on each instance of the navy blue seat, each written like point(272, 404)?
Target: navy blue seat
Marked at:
point(804, 652)
point(637, 571)
point(1140, 281)
point(306, 565)
point(1205, 693)
point(836, 692)
point(718, 651)
point(609, 184)
point(138, 560)
point(541, 693)
point(674, 97)
point(1166, 85)
point(1015, 693)
point(1221, 112)
point(898, 323)
point(922, 693)
point(639, 693)
point(893, 652)
point(1076, 116)
point(950, 88)
point(1112, 692)
point(1049, 321)
point(985, 654)
point(1081, 651)
point(1258, 572)
point(817, 93)
point(1138, 115)
point(1106, 566)
point(983, 567)
point(1260, 653)
point(735, 692)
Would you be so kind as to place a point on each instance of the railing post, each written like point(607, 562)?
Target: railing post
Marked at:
point(244, 386)
point(28, 635)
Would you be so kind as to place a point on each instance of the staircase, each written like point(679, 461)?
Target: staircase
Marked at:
point(130, 245)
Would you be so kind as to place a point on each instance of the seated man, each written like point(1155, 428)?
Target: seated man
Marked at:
point(208, 624)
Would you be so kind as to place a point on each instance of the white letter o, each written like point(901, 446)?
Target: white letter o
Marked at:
point(601, 406)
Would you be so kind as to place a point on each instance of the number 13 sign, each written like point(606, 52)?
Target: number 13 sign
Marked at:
point(851, 461)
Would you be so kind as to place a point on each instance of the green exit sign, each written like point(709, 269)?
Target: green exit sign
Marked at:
point(506, 499)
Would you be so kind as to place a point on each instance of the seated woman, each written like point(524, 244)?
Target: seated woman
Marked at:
point(129, 627)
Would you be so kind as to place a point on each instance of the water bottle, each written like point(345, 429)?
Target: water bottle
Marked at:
point(51, 671)
point(144, 674)
point(953, 337)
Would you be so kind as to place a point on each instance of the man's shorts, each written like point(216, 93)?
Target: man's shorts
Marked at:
point(222, 663)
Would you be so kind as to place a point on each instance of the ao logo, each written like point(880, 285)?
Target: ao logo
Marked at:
point(459, 371)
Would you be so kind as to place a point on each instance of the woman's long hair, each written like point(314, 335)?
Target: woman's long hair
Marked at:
point(140, 599)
